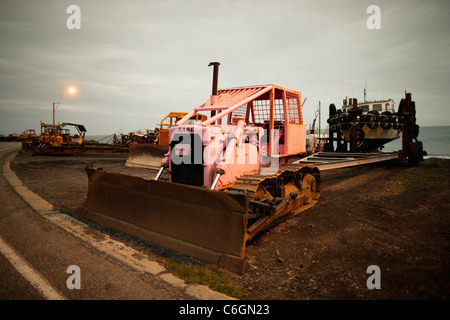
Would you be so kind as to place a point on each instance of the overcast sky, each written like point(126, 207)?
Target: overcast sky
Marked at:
point(132, 62)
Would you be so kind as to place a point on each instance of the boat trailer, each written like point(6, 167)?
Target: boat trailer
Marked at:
point(336, 160)
point(346, 154)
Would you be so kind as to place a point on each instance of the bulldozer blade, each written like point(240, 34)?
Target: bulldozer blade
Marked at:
point(205, 224)
point(146, 155)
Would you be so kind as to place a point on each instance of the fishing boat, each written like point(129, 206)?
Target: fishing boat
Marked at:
point(376, 121)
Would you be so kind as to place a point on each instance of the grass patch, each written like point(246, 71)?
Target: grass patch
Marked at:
point(393, 190)
point(206, 275)
point(434, 163)
point(432, 174)
point(108, 230)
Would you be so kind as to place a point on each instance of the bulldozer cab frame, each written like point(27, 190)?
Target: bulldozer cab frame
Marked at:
point(149, 155)
point(274, 108)
point(169, 121)
point(55, 139)
point(59, 128)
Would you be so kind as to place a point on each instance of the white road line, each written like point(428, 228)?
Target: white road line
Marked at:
point(30, 274)
point(8, 148)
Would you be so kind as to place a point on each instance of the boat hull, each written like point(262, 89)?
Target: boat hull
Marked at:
point(372, 139)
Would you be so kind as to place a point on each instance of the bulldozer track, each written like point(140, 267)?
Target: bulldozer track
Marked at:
point(293, 189)
point(249, 183)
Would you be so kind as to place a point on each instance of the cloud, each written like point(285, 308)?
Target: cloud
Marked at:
point(133, 63)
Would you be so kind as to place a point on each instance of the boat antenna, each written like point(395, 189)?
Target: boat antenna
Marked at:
point(319, 118)
point(365, 91)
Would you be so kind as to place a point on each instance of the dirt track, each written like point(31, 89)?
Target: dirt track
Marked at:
point(387, 214)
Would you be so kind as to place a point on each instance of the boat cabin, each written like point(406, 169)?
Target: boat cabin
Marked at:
point(380, 106)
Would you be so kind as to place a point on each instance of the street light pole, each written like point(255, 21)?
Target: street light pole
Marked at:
point(54, 113)
point(56, 105)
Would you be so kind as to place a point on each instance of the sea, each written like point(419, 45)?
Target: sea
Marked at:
point(436, 141)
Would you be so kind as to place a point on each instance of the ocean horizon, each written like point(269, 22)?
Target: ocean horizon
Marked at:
point(436, 142)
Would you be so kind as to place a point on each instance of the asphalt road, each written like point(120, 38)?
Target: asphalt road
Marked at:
point(35, 256)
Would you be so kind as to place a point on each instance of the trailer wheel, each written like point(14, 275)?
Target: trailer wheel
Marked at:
point(413, 154)
point(77, 152)
point(420, 150)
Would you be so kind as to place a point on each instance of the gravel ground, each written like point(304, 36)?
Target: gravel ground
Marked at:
point(388, 214)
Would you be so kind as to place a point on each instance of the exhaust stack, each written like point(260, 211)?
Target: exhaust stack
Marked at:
point(215, 80)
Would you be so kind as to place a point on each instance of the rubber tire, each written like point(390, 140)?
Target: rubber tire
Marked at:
point(413, 154)
point(420, 150)
point(77, 152)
